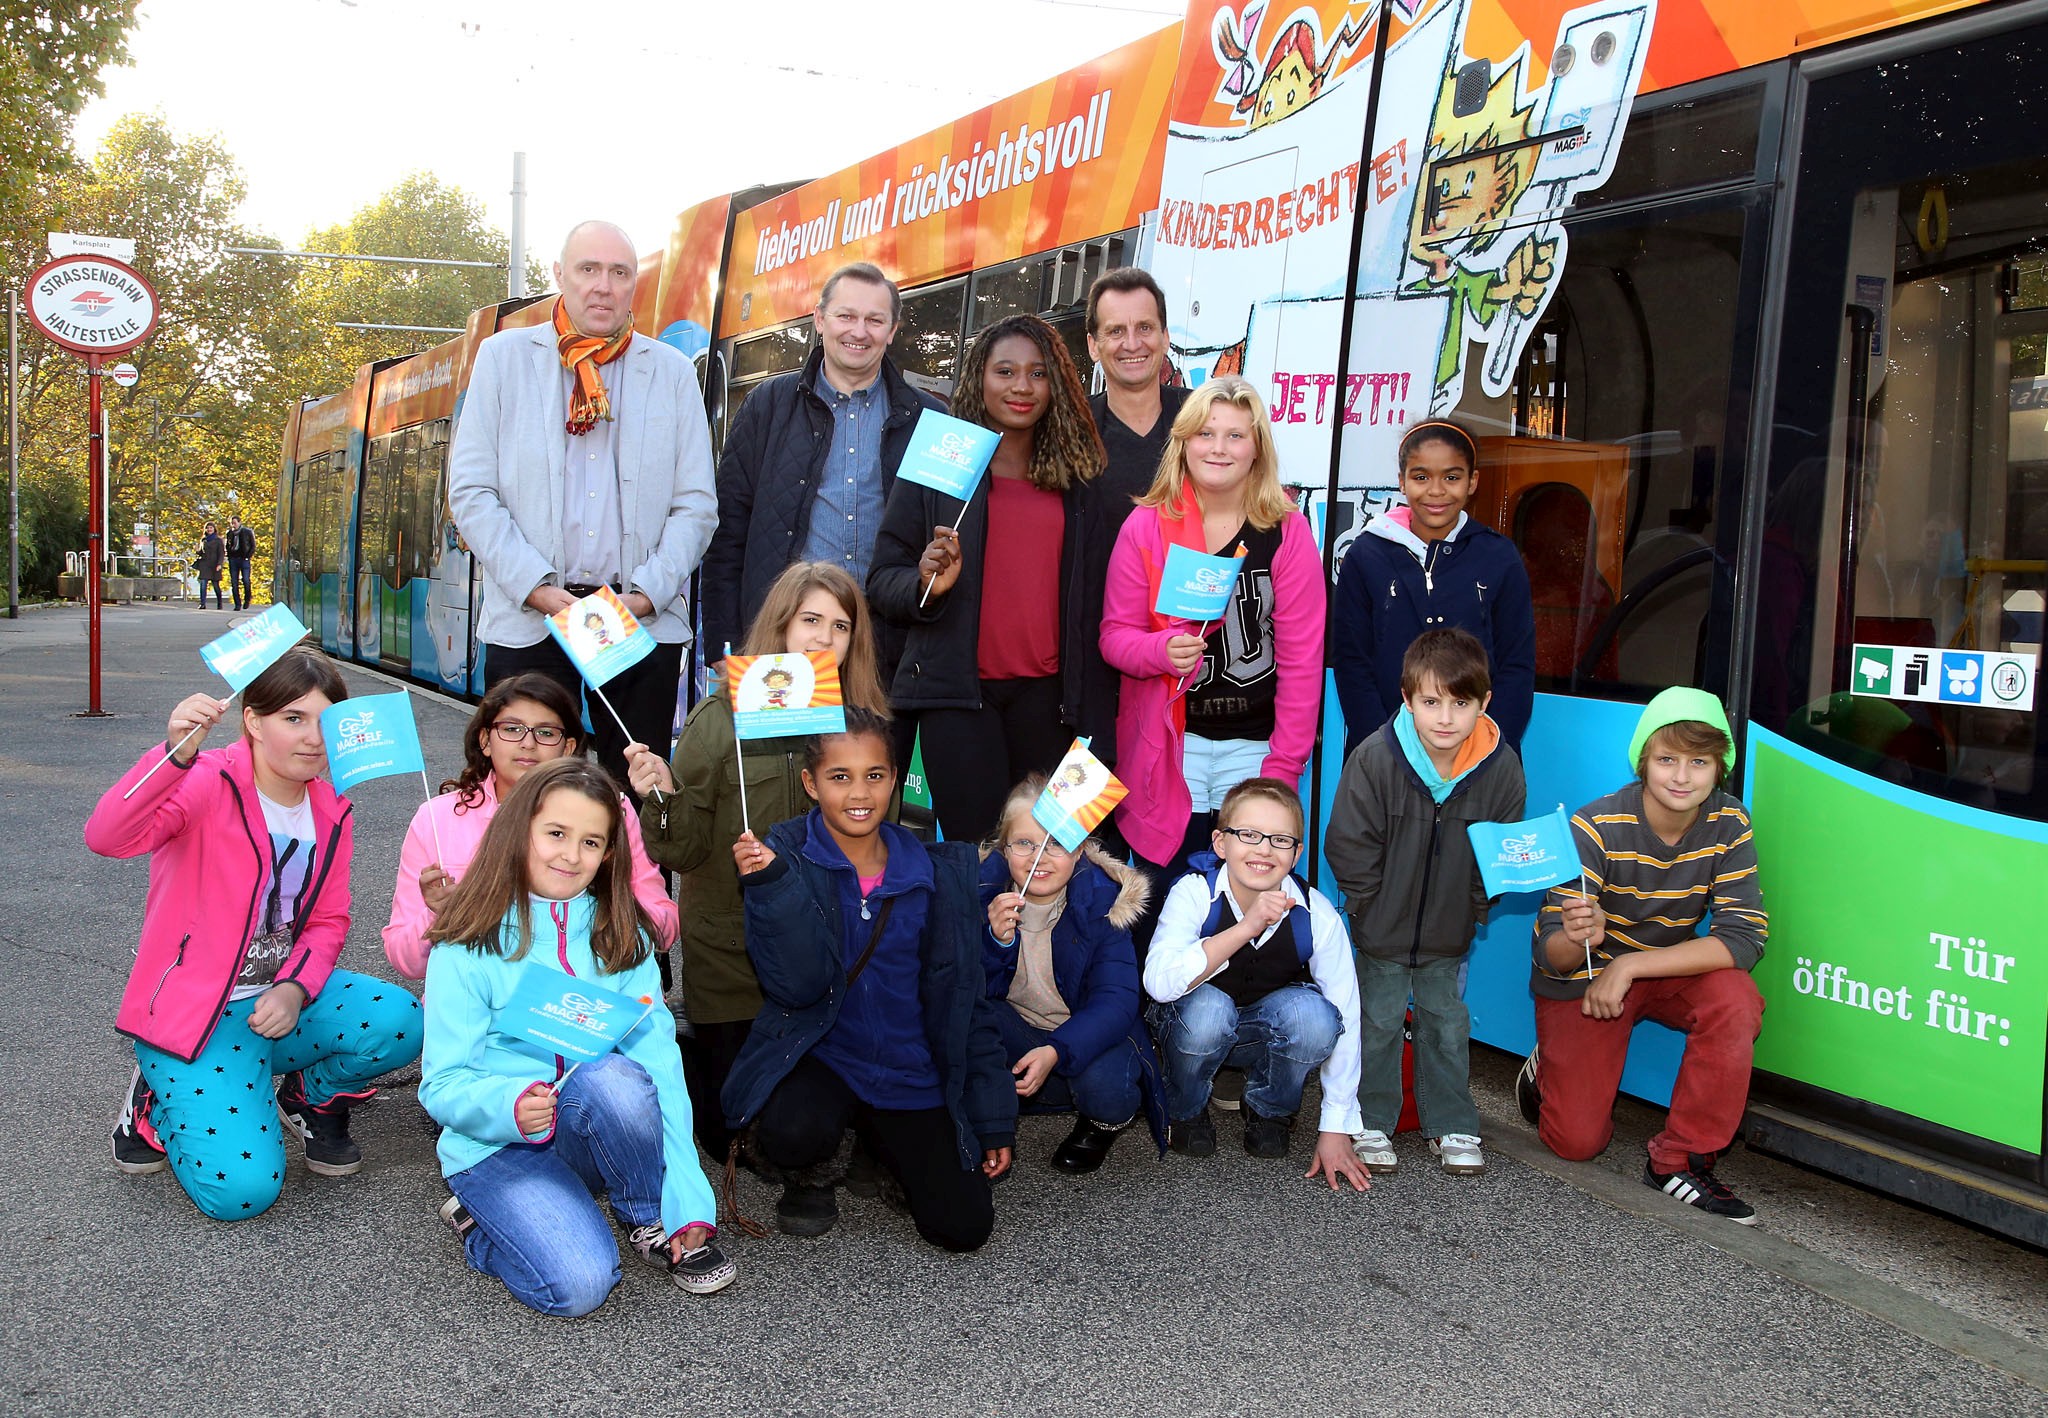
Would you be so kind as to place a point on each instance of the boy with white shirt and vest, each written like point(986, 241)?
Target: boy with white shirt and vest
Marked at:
point(1252, 967)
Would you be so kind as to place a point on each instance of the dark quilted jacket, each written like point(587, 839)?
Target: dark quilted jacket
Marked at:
point(767, 484)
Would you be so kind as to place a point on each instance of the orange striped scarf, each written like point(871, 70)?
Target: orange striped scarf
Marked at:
point(581, 355)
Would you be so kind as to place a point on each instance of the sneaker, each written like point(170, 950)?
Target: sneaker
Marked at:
point(322, 1127)
point(1193, 1137)
point(704, 1271)
point(136, 1149)
point(1266, 1137)
point(455, 1216)
point(650, 1243)
point(805, 1211)
point(1459, 1152)
point(1696, 1185)
point(1375, 1149)
point(1226, 1090)
point(1528, 1097)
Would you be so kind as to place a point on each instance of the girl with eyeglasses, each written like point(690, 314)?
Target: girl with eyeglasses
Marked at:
point(523, 722)
point(1057, 954)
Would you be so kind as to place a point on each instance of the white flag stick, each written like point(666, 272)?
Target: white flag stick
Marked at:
point(739, 751)
point(196, 728)
point(964, 503)
point(1586, 894)
point(622, 726)
point(440, 857)
point(1033, 871)
point(1202, 633)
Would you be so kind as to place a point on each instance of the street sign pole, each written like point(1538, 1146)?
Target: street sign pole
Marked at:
point(95, 535)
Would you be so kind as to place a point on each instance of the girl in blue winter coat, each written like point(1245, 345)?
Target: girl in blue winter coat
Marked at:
point(866, 944)
point(1059, 959)
point(525, 1149)
point(1429, 566)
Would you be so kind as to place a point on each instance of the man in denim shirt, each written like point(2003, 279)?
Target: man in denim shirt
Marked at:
point(810, 458)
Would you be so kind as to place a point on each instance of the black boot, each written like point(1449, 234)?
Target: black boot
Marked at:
point(1085, 1147)
point(805, 1211)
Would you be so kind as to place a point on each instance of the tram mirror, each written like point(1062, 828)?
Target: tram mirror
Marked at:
point(1468, 95)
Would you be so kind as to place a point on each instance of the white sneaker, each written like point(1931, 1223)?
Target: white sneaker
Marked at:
point(1376, 1150)
point(1459, 1152)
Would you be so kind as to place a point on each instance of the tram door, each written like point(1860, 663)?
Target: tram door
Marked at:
point(1897, 769)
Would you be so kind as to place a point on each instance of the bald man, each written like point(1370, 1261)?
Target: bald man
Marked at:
point(582, 459)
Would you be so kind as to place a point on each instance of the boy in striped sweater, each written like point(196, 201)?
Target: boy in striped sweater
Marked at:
point(1661, 855)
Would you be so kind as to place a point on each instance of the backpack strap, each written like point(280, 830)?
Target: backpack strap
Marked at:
point(1298, 918)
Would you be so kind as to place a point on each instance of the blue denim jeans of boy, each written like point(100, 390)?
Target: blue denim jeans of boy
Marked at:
point(1443, 1045)
point(538, 1227)
point(1104, 1091)
point(1276, 1040)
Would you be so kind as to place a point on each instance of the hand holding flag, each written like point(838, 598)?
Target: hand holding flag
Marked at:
point(1077, 797)
point(777, 696)
point(948, 455)
point(246, 651)
point(1196, 586)
point(601, 637)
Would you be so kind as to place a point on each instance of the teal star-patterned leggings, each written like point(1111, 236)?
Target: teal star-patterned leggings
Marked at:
point(217, 1116)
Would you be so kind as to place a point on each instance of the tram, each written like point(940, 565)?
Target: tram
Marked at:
point(1751, 307)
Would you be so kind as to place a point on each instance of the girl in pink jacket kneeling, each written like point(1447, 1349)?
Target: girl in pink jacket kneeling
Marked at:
point(234, 980)
point(1205, 707)
point(524, 721)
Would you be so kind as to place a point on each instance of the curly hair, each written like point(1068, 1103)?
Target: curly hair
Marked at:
point(1065, 447)
point(476, 762)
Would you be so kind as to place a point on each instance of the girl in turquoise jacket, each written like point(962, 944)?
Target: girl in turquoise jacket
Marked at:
point(528, 1141)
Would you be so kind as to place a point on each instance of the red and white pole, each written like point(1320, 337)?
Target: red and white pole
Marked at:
point(95, 532)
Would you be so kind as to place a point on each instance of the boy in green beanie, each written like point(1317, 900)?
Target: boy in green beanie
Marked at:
point(1661, 855)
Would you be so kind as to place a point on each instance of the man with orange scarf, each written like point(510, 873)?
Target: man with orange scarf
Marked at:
point(582, 459)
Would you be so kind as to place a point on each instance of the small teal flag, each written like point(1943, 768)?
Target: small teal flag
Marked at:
point(253, 646)
point(948, 454)
point(1525, 856)
point(371, 737)
point(562, 1014)
point(1197, 586)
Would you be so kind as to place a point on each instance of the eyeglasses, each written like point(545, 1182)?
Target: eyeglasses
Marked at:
point(1252, 837)
point(544, 735)
point(1025, 848)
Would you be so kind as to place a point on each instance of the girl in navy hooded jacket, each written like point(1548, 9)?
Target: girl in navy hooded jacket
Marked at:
point(1429, 566)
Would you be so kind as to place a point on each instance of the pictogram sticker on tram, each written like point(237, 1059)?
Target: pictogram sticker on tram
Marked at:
point(91, 304)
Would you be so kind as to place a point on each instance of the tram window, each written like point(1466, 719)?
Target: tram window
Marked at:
point(1608, 471)
point(1941, 451)
point(1013, 288)
point(378, 469)
point(398, 543)
point(927, 343)
point(1690, 143)
point(776, 352)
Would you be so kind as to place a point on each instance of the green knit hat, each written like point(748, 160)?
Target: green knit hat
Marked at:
point(1676, 705)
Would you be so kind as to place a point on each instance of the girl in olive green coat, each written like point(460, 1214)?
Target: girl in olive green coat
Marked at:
point(691, 826)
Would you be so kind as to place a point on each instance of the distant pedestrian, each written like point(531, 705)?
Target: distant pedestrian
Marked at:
point(241, 548)
point(212, 552)
point(234, 980)
point(526, 1146)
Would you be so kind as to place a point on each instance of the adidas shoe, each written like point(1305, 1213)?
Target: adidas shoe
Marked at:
point(1528, 1097)
point(136, 1148)
point(1375, 1149)
point(1696, 1185)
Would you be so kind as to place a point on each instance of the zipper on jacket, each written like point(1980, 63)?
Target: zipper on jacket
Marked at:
point(1429, 567)
point(1428, 872)
point(558, 911)
point(180, 960)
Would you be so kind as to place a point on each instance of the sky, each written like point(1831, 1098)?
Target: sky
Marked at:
point(631, 116)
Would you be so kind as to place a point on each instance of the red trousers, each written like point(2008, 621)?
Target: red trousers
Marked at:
point(1580, 1060)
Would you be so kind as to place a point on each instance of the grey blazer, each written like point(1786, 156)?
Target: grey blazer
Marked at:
point(507, 468)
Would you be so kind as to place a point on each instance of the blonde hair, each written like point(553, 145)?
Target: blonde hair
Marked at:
point(860, 679)
point(1021, 800)
point(1265, 504)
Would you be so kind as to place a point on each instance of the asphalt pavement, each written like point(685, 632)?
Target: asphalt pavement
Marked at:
point(1228, 1285)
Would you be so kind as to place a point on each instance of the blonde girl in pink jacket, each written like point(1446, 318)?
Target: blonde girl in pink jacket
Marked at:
point(1205, 707)
point(523, 722)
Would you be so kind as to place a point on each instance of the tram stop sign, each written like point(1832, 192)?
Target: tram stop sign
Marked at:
point(91, 305)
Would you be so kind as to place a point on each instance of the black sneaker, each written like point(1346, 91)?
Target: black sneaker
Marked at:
point(455, 1216)
point(1084, 1148)
point(1195, 1136)
point(136, 1149)
point(322, 1127)
point(1528, 1097)
point(1264, 1136)
point(1696, 1185)
point(805, 1211)
point(704, 1271)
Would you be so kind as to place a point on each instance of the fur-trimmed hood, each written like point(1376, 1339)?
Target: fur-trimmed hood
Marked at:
point(1126, 887)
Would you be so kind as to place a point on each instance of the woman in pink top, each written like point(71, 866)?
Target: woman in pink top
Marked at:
point(523, 722)
point(1205, 707)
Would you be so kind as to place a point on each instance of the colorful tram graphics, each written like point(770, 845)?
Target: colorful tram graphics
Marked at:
point(1756, 384)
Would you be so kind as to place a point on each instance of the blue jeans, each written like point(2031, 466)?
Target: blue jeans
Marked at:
point(1275, 1040)
point(217, 1116)
point(1105, 1090)
point(1443, 1045)
point(538, 1227)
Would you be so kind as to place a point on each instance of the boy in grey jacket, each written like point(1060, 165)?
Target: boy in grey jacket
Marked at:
point(1398, 846)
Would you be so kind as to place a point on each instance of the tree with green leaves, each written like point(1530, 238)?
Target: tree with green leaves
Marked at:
point(51, 55)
